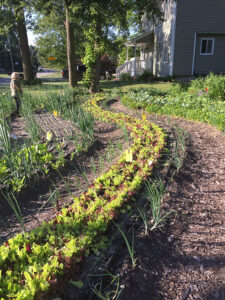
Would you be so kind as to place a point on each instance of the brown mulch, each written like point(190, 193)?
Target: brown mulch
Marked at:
point(190, 263)
point(71, 180)
point(185, 259)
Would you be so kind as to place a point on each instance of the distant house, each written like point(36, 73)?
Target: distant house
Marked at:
point(190, 41)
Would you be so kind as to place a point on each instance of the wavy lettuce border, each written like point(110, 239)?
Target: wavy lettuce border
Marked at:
point(32, 262)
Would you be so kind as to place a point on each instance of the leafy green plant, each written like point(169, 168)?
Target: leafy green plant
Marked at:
point(213, 85)
point(22, 167)
point(126, 77)
point(73, 232)
point(190, 103)
point(146, 76)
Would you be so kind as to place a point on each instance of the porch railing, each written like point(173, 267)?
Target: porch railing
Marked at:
point(133, 67)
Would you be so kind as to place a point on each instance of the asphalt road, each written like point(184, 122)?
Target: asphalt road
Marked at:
point(4, 81)
point(45, 73)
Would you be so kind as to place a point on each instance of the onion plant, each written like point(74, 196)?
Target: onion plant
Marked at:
point(180, 148)
point(130, 247)
point(143, 215)
point(12, 201)
point(154, 192)
point(107, 295)
point(4, 135)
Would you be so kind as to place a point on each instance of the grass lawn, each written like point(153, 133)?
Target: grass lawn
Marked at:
point(4, 76)
point(127, 85)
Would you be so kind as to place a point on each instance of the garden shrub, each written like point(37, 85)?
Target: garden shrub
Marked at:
point(146, 76)
point(191, 105)
point(178, 88)
point(35, 81)
point(213, 85)
point(139, 98)
point(125, 77)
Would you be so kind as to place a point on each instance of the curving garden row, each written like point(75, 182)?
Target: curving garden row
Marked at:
point(30, 263)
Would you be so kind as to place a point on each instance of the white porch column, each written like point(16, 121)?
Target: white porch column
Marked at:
point(135, 50)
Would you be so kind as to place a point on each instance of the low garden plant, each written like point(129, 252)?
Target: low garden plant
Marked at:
point(196, 102)
point(33, 262)
point(19, 168)
point(213, 85)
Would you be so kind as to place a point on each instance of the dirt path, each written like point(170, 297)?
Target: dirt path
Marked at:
point(187, 260)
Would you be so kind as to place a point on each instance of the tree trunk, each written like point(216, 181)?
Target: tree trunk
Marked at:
point(71, 58)
point(94, 88)
point(24, 47)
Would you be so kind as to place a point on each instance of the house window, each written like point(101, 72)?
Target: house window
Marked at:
point(207, 46)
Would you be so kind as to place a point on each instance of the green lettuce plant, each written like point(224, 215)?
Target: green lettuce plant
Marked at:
point(33, 262)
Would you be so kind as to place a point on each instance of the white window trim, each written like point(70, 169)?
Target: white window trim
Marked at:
point(213, 43)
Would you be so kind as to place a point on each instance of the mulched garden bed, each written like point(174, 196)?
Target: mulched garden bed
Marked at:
point(183, 260)
point(92, 163)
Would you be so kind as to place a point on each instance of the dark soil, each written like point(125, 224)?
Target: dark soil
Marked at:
point(182, 260)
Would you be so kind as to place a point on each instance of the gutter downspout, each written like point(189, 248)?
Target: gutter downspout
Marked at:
point(194, 50)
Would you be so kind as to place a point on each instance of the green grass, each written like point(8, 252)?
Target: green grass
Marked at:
point(56, 74)
point(4, 76)
point(176, 100)
point(127, 85)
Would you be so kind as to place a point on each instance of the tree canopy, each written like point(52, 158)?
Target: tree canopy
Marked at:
point(85, 29)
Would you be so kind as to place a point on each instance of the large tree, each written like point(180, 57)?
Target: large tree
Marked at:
point(102, 20)
point(11, 13)
point(71, 57)
point(70, 13)
point(51, 39)
point(23, 42)
point(10, 58)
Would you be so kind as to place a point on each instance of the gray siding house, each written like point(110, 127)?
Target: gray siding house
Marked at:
point(190, 41)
